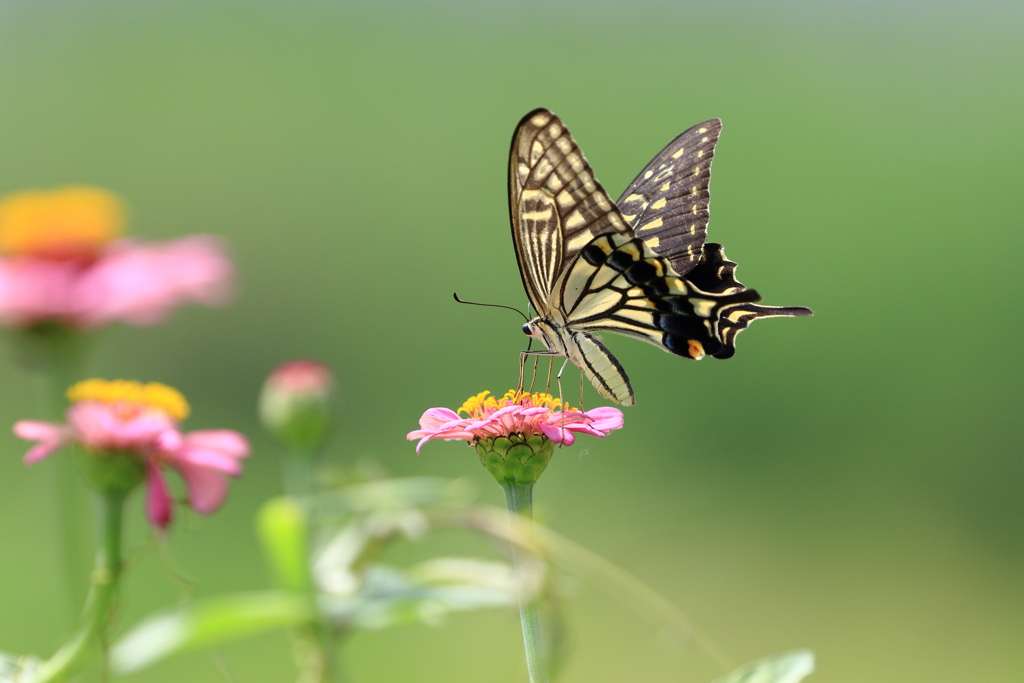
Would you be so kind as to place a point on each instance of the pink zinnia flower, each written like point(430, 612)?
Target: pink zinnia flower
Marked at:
point(141, 420)
point(517, 412)
point(63, 262)
point(515, 435)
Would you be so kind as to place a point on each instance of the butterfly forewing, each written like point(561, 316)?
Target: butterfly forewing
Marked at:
point(667, 203)
point(556, 205)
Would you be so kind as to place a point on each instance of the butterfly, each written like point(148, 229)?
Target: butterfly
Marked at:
point(639, 267)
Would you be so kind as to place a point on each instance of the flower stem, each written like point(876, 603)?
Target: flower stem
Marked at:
point(519, 501)
point(101, 596)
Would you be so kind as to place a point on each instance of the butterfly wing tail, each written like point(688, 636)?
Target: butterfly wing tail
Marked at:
point(736, 318)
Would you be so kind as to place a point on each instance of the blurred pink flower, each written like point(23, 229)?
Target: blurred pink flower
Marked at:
point(142, 420)
point(517, 412)
point(63, 262)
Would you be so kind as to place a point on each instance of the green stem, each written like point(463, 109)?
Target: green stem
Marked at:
point(519, 501)
point(58, 354)
point(315, 643)
point(101, 595)
point(298, 473)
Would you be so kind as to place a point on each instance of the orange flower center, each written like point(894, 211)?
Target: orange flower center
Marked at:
point(72, 223)
point(132, 397)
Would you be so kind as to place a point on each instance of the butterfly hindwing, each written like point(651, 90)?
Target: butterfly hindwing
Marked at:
point(618, 284)
point(555, 203)
point(667, 203)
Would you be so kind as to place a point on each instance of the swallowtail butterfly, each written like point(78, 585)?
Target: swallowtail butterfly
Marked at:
point(639, 267)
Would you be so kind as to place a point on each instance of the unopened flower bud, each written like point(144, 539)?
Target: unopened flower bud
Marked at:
point(295, 403)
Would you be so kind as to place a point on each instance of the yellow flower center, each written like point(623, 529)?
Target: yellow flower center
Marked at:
point(482, 404)
point(151, 395)
point(70, 223)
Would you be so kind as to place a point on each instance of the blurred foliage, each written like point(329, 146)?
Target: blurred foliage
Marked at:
point(851, 482)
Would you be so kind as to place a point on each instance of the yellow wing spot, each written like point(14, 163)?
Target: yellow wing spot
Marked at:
point(693, 228)
point(696, 349)
point(652, 225)
point(541, 120)
point(579, 241)
point(554, 182)
point(682, 150)
point(660, 204)
point(700, 154)
point(703, 130)
point(554, 130)
point(703, 307)
point(664, 188)
point(694, 191)
point(635, 293)
point(575, 220)
point(603, 203)
point(633, 198)
point(696, 170)
point(537, 215)
point(536, 151)
point(653, 242)
point(648, 174)
point(737, 316)
point(630, 217)
point(565, 199)
point(544, 167)
point(564, 145)
point(676, 285)
point(694, 209)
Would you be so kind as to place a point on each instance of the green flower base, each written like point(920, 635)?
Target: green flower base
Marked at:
point(515, 459)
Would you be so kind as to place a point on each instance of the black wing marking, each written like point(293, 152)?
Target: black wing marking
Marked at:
point(617, 284)
point(601, 368)
point(556, 205)
point(667, 204)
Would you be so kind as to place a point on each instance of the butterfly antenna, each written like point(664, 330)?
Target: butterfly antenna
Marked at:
point(474, 303)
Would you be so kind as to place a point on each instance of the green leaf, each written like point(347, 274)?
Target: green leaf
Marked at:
point(283, 530)
point(389, 597)
point(18, 668)
point(390, 495)
point(788, 667)
point(214, 620)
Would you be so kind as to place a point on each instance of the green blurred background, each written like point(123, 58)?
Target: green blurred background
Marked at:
point(851, 483)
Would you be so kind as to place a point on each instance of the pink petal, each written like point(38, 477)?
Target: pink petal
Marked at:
point(207, 487)
point(606, 418)
point(219, 449)
point(141, 283)
point(159, 509)
point(227, 441)
point(51, 437)
point(435, 417)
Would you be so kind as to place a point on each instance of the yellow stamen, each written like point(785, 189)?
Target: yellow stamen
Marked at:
point(478, 406)
point(153, 395)
point(69, 223)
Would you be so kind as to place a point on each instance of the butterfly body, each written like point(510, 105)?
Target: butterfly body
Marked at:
point(588, 267)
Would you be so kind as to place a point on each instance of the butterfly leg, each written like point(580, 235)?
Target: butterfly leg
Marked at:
point(558, 379)
point(536, 364)
point(522, 365)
